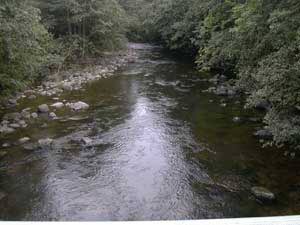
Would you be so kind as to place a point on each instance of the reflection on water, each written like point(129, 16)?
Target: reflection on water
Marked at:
point(162, 150)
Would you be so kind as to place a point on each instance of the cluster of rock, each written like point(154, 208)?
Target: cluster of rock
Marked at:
point(75, 80)
point(12, 121)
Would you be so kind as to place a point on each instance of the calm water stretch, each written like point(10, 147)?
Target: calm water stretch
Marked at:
point(162, 149)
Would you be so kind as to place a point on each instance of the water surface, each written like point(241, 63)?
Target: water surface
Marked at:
point(164, 150)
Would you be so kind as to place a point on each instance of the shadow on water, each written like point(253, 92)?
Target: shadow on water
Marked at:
point(163, 150)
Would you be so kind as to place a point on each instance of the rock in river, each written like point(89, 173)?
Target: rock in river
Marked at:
point(52, 116)
point(24, 140)
point(236, 119)
point(79, 106)
point(45, 142)
point(264, 134)
point(58, 105)
point(43, 108)
point(262, 193)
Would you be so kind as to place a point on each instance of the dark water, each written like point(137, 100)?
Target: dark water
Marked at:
point(163, 151)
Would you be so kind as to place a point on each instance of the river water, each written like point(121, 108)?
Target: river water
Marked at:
point(162, 150)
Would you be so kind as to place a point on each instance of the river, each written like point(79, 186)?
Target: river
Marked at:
point(164, 149)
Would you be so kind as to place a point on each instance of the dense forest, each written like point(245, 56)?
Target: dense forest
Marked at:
point(254, 43)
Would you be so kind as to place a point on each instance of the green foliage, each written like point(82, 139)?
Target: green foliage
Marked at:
point(37, 36)
point(24, 45)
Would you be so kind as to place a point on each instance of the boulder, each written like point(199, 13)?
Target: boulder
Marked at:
point(31, 97)
point(34, 115)
point(262, 193)
point(24, 140)
point(47, 142)
point(52, 116)
point(264, 134)
point(263, 105)
point(43, 108)
point(12, 102)
point(79, 106)
point(58, 105)
point(67, 87)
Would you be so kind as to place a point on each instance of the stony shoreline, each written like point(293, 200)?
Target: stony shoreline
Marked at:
point(57, 84)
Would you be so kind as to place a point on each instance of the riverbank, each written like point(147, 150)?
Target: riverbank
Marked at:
point(55, 85)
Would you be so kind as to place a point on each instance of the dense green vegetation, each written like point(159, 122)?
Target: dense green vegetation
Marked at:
point(37, 36)
point(254, 42)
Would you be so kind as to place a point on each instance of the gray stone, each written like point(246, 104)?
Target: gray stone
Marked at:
point(58, 105)
point(79, 106)
point(31, 97)
point(223, 105)
point(52, 116)
point(43, 108)
point(67, 87)
point(263, 105)
point(15, 125)
point(47, 142)
point(12, 102)
point(7, 130)
point(262, 193)
point(236, 119)
point(5, 145)
point(34, 115)
point(264, 134)
point(24, 140)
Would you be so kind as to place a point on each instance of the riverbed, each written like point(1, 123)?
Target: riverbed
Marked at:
point(160, 149)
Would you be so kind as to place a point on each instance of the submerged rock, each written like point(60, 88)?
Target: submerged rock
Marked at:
point(262, 193)
point(43, 108)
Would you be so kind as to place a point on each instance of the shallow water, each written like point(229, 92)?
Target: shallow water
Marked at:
point(162, 151)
